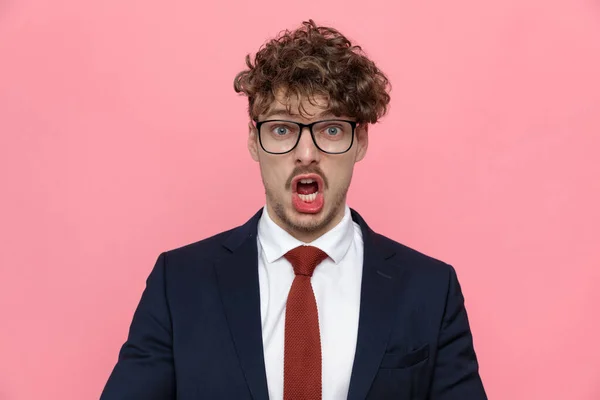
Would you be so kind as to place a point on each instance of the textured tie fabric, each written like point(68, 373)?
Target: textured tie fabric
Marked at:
point(302, 349)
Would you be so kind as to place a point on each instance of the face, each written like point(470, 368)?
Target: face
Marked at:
point(306, 188)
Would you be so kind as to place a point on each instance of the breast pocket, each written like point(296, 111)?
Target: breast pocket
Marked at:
point(401, 375)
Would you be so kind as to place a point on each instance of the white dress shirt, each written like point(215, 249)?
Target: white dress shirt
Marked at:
point(336, 283)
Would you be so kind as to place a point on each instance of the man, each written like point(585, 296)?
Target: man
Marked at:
point(304, 301)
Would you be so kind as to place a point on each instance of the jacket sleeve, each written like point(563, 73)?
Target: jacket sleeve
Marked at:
point(144, 369)
point(456, 371)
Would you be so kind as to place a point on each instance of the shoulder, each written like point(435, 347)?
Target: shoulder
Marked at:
point(427, 281)
point(415, 262)
point(207, 248)
point(402, 256)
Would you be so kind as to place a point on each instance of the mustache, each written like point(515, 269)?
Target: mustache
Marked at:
point(306, 170)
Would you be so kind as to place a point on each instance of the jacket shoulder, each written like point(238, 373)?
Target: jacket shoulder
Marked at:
point(414, 260)
point(204, 249)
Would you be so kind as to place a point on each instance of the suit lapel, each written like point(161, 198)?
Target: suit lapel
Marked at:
point(377, 305)
point(237, 276)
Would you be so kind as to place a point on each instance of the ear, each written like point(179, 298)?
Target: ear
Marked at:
point(362, 141)
point(252, 141)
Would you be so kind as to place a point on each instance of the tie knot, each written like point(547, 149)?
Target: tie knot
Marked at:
point(305, 259)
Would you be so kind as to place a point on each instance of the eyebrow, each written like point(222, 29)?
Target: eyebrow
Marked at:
point(284, 112)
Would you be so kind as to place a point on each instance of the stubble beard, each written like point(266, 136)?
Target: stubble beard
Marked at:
point(315, 225)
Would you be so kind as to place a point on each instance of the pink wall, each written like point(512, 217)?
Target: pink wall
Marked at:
point(121, 137)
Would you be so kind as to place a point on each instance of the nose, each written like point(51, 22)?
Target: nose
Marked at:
point(306, 152)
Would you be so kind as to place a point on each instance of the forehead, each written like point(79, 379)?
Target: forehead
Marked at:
point(298, 107)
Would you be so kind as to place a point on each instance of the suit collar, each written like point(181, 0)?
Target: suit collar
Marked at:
point(250, 229)
point(237, 275)
point(242, 233)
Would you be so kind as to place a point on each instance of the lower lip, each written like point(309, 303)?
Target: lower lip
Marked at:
point(308, 208)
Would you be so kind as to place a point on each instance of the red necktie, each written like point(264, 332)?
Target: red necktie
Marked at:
point(302, 349)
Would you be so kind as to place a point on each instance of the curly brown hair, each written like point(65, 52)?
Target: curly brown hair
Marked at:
point(315, 60)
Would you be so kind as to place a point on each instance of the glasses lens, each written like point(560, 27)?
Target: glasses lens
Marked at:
point(278, 136)
point(333, 136)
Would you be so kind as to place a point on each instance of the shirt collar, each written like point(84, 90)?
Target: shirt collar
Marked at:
point(275, 241)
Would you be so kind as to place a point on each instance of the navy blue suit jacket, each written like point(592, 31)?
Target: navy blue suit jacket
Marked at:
point(196, 333)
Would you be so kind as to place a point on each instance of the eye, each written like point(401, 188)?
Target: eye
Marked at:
point(281, 130)
point(332, 130)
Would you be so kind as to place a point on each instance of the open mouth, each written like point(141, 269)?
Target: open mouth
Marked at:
point(307, 193)
point(307, 187)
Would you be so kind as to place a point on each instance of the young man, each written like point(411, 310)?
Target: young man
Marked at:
point(304, 301)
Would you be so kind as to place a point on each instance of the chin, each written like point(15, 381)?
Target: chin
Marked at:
point(307, 223)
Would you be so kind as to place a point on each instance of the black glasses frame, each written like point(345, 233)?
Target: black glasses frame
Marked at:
point(353, 124)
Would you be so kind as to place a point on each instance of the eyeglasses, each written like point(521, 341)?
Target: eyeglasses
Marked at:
point(334, 136)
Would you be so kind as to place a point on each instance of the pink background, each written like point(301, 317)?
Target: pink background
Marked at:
point(121, 137)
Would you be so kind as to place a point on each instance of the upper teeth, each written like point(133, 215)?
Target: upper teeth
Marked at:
point(306, 180)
